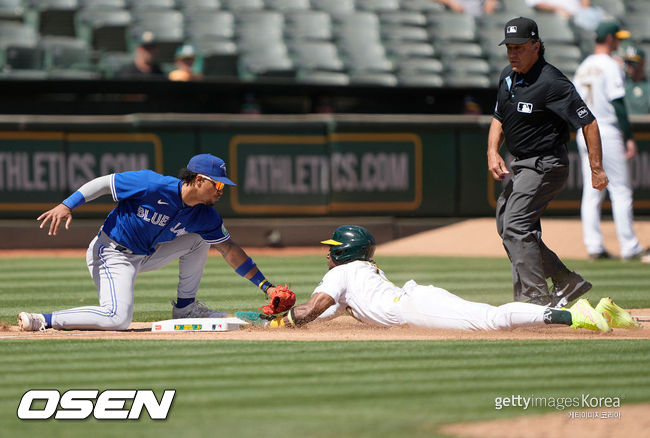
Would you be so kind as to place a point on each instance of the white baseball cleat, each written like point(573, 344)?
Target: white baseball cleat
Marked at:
point(196, 310)
point(31, 322)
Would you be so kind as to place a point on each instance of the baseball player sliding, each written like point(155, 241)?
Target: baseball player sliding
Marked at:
point(158, 219)
point(354, 284)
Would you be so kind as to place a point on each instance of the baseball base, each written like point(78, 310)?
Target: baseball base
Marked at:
point(198, 325)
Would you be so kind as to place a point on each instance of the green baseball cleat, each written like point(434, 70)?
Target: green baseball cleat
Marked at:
point(584, 316)
point(615, 316)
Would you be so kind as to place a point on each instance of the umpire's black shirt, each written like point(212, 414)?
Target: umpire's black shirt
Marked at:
point(536, 109)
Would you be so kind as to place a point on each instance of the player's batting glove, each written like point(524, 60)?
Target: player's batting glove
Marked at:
point(281, 299)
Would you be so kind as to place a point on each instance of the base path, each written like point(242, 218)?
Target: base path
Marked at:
point(344, 328)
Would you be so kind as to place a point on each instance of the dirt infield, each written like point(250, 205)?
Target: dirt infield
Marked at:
point(344, 328)
point(624, 422)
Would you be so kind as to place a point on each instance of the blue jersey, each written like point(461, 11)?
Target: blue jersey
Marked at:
point(150, 211)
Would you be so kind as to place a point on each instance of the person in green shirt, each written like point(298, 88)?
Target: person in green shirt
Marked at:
point(637, 86)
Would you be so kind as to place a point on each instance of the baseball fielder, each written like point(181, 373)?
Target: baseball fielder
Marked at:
point(158, 219)
point(355, 284)
point(600, 80)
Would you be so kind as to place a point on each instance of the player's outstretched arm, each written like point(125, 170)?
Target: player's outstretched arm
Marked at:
point(56, 216)
point(63, 212)
point(305, 313)
point(281, 298)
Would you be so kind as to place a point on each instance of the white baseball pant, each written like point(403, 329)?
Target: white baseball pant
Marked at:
point(114, 273)
point(436, 308)
point(620, 193)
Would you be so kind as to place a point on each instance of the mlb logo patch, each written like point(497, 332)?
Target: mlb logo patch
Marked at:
point(511, 29)
point(525, 107)
point(582, 112)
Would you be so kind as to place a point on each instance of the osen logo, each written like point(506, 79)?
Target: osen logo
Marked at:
point(79, 404)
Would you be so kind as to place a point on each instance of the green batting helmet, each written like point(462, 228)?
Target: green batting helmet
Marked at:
point(349, 243)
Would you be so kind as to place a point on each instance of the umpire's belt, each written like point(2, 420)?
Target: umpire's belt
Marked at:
point(556, 151)
point(113, 244)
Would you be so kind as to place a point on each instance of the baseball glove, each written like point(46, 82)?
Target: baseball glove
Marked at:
point(281, 299)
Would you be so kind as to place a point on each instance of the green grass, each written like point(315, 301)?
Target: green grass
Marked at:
point(47, 284)
point(323, 389)
point(311, 389)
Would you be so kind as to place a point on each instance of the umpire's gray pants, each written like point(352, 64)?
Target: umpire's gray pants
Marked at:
point(534, 182)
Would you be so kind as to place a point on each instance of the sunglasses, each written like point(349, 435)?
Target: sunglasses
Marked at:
point(217, 184)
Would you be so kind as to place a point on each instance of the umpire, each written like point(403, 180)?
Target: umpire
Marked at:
point(536, 105)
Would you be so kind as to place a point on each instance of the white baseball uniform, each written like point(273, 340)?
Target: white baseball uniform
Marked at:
point(362, 289)
point(600, 80)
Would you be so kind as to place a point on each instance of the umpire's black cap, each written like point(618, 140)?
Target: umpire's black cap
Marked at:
point(519, 30)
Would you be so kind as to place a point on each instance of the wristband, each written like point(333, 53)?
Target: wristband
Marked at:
point(75, 200)
point(260, 281)
point(245, 267)
point(277, 322)
point(292, 318)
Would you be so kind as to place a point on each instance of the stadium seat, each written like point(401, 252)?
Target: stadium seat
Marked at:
point(17, 57)
point(104, 29)
point(366, 56)
point(51, 17)
point(152, 5)
point(11, 10)
point(334, 7)
point(288, 5)
point(406, 18)
point(311, 25)
point(422, 6)
point(257, 29)
point(554, 28)
point(615, 8)
point(555, 51)
point(420, 66)
point(638, 25)
point(420, 79)
point(198, 5)
point(318, 77)
point(373, 78)
point(458, 49)
point(12, 32)
point(272, 61)
point(517, 8)
point(404, 33)
point(378, 5)
point(407, 49)
point(316, 55)
point(471, 81)
point(242, 5)
point(65, 53)
point(638, 6)
point(467, 66)
point(103, 4)
point(23, 74)
point(111, 63)
point(209, 24)
point(452, 27)
point(167, 27)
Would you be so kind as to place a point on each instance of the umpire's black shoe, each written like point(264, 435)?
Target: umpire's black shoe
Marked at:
point(568, 287)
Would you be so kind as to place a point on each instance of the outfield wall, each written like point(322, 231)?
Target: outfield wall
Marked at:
point(306, 165)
